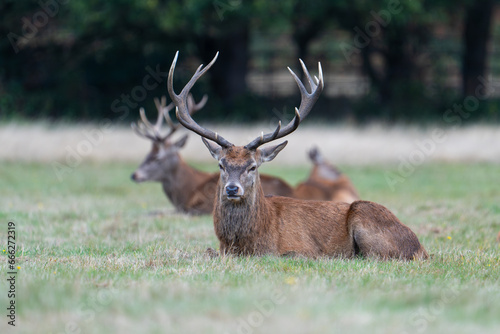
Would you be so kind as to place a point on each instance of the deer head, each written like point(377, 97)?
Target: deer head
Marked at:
point(163, 157)
point(322, 168)
point(239, 165)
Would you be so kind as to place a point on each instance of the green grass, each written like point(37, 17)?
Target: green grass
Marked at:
point(100, 254)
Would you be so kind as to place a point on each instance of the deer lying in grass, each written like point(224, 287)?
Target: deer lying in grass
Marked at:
point(247, 222)
point(189, 190)
point(326, 182)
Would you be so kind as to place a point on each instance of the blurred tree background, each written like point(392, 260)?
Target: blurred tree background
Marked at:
point(388, 60)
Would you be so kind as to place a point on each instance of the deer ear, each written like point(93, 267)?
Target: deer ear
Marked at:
point(213, 148)
point(269, 153)
point(315, 155)
point(181, 142)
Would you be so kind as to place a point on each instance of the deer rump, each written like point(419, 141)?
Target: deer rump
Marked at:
point(362, 228)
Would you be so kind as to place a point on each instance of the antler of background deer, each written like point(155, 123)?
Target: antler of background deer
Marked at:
point(153, 132)
point(306, 104)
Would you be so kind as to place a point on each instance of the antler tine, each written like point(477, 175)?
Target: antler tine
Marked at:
point(144, 128)
point(162, 106)
point(312, 85)
point(307, 102)
point(144, 119)
point(148, 131)
point(163, 112)
point(159, 120)
point(181, 102)
point(141, 132)
point(309, 99)
point(193, 106)
point(166, 114)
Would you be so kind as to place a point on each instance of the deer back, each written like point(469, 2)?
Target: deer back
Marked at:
point(316, 228)
point(326, 182)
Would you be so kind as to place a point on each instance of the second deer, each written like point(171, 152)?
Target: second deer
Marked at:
point(246, 222)
point(188, 189)
point(326, 182)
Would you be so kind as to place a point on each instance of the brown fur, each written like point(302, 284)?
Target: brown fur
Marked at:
point(192, 191)
point(278, 225)
point(340, 190)
point(326, 183)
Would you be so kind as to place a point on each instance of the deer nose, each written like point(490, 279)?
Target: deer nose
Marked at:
point(232, 189)
point(137, 177)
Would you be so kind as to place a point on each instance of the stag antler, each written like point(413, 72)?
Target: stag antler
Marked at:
point(193, 107)
point(307, 102)
point(153, 132)
point(182, 103)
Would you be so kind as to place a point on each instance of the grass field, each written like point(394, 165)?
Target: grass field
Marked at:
point(99, 254)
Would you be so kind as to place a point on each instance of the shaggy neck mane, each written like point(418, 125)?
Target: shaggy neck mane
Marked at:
point(238, 224)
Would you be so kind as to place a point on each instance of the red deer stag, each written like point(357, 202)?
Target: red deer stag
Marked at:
point(326, 182)
point(246, 222)
point(189, 190)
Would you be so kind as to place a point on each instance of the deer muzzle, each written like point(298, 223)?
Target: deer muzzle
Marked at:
point(138, 177)
point(233, 191)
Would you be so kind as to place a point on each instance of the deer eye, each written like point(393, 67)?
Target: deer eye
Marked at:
point(221, 167)
point(252, 169)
